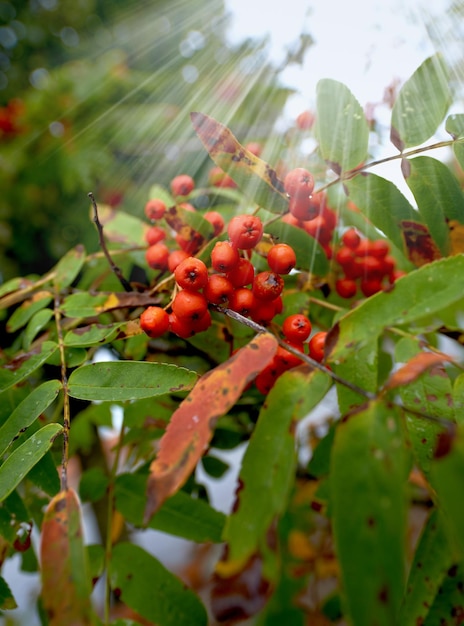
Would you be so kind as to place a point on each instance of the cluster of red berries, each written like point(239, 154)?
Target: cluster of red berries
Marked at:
point(308, 210)
point(365, 263)
point(296, 329)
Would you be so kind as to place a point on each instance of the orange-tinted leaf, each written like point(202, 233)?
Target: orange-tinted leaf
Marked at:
point(192, 424)
point(456, 234)
point(416, 366)
point(251, 173)
point(419, 243)
point(66, 585)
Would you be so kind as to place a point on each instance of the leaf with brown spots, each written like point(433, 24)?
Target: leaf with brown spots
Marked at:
point(190, 225)
point(192, 424)
point(66, 585)
point(419, 243)
point(417, 365)
point(253, 175)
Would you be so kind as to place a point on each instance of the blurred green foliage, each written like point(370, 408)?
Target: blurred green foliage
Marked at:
point(96, 97)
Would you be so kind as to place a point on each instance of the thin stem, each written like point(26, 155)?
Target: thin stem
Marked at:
point(64, 382)
point(117, 271)
point(306, 359)
point(109, 527)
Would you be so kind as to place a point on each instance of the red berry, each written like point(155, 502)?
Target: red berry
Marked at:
point(254, 147)
point(192, 245)
point(267, 285)
point(242, 274)
point(318, 229)
point(299, 183)
point(181, 327)
point(265, 380)
point(155, 209)
point(370, 286)
point(191, 274)
point(379, 248)
point(245, 231)
point(305, 120)
point(202, 323)
point(351, 238)
point(157, 256)
point(154, 321)
point(176, 257)
point(218, 289)
point(281, 258)
point(154, 234)
point(242, 300)
point(216, 220)
point(296, 327)
point(302, 209)
point(344, 256)
point(346, 287)
point(316, 346)
point(263, 311)
point(285, 360)
point(189, 305)
point(182, 185)
point(224, 256)
point(373, 268)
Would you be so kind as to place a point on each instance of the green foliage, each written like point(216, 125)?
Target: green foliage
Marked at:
point(329, 538)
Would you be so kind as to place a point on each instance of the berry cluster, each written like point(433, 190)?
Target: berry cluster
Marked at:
point(229, 278)
point(307, 210)
point(364, 263)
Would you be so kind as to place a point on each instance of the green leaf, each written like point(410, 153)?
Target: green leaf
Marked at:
point(20, 462)
point(120, 227)
point(93, 484)
point(410, 299)
point(35, 325)
point(27, 310)
point(447, 470)
point(151, 590)
point(15, 284)
point(438, 196)
point(448, 601)
point(431, 394)
point(268, 467)
point(157, 192)
point(309, 254)
point(26, 363)
point(27, 412)
point(132, 380)
point(214, 467)
point(455, 127)
point(68, 267)
point(421, 104)
point(7, 601)
point(45, 475)
point(361, 369)
point(458, 398)
point(181, 515)
point(368, 498)
point(432, 559)
point(383, 204)
point(84, 304)
point(341, 126)
point(92, 335)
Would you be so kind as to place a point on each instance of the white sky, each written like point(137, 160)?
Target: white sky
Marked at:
point(363, 43)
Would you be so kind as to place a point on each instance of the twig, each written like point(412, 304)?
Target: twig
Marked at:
point(117, 271)
point(64, 382)
point(306, 359)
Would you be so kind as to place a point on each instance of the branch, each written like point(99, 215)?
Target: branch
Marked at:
point(447, 424)
point(117, 271)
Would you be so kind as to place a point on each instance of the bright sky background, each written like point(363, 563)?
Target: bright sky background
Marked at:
point(363, 43)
